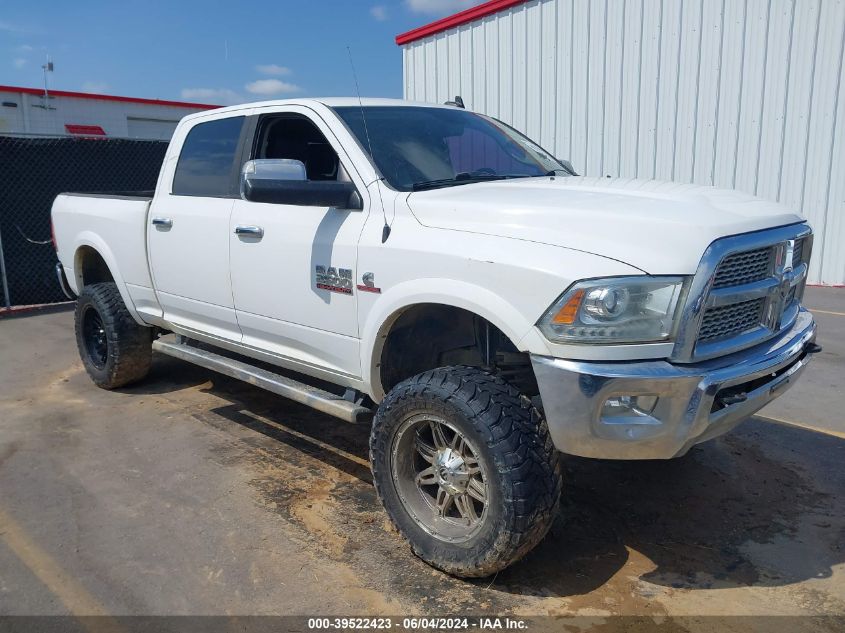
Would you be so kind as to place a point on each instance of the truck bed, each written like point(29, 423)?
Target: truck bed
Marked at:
point(114, 224)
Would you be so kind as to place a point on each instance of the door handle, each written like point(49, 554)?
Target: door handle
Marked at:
point(164, 222)
point(252, 231)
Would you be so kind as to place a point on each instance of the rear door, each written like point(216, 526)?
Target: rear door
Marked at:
point(295, 285)
point(188, 236)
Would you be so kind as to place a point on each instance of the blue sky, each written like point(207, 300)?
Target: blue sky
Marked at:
point(210, 51)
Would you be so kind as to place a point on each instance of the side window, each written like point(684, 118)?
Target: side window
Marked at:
point(207, 160)
point(297, 138)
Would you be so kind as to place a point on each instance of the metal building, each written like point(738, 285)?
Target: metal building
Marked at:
point(60, 113)
point(745, 94)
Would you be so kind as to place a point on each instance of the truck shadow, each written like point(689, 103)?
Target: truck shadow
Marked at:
point(728, 514)
point(754, 508)
point(167, 375)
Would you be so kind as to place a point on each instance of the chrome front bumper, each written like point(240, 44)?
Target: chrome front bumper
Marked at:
point(695, 403)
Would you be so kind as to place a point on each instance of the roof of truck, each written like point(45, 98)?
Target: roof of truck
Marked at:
point(332, 102)
point(353, 101)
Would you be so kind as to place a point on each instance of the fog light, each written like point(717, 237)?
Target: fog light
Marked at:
point(628, 406)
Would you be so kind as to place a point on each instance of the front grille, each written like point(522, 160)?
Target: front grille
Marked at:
point(747, 296)
point(731, 320)
point(744, 268)
point(797, 253)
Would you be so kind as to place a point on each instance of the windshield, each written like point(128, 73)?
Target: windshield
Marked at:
point(419, 147)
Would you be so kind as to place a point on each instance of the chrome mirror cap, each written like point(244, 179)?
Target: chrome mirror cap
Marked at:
point(286, 169)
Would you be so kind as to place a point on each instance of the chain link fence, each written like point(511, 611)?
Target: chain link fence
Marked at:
point(34, 171)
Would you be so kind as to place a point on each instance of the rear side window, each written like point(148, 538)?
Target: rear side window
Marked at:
point(207, 161)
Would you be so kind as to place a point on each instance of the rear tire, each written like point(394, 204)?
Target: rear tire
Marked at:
point(115, 350)
point(464, 433)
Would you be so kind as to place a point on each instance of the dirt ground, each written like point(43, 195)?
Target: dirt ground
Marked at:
point(196, 494)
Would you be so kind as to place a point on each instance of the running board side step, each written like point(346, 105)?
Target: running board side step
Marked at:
point(292, 389)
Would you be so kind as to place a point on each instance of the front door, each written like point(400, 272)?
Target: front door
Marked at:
point(294, 282)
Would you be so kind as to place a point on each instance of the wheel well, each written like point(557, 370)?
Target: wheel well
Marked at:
point(426, 336)
point(91, 267)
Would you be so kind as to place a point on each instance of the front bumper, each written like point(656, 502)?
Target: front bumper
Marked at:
point(695, 403)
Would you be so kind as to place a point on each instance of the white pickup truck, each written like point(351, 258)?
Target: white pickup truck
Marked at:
point(436, 274)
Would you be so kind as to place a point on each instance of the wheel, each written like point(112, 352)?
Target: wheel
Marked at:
point(115, 350)
point(465, 468)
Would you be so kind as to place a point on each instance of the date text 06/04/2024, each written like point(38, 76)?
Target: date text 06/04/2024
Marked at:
point(417, 623)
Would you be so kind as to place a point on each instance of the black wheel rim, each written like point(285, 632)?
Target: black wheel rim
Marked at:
point(94, 337)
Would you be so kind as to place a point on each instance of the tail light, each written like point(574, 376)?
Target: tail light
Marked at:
point(53, 237)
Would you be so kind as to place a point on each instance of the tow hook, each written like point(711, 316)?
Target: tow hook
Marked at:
point(733, 399)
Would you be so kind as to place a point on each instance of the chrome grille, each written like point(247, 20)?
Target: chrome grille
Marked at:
point(744, 268)
point(730, 320)
point(747, 290)
point(797, 253)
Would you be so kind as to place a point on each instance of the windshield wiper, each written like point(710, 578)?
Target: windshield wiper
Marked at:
point(554, 172)
point(461, 179)
point(565, 166)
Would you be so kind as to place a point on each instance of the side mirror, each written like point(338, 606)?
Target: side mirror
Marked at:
point(284, 181)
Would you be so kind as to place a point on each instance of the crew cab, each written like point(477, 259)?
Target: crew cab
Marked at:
point(433, 273)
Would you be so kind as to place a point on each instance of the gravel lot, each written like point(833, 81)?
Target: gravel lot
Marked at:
point(195, 494)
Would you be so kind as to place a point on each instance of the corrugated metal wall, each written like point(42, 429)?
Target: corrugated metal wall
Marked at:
point(745, 94)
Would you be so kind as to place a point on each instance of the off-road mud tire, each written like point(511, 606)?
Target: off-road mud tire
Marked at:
point(128, 353)
point(523, 468)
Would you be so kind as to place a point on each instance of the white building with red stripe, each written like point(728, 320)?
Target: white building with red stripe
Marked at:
point(63, 113)
point(742, 94)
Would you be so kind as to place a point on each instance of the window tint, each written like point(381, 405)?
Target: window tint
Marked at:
point(412, 145)
point(206, 164)
point(476, 150)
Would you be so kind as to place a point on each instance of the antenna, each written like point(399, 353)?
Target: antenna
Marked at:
point(48, 68)
point(385, 232)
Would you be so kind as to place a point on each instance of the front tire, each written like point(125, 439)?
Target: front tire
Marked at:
point(465, 469)
point(115, 350)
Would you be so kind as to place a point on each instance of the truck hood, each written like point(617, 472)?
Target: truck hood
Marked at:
point(658, 227)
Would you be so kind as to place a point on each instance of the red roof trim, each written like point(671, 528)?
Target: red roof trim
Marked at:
point(450, 22)
point(88, 95)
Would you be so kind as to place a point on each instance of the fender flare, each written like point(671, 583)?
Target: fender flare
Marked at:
point(448, 292)
point(95, 242)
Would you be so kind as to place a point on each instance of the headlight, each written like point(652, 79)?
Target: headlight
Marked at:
point(616, 310)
